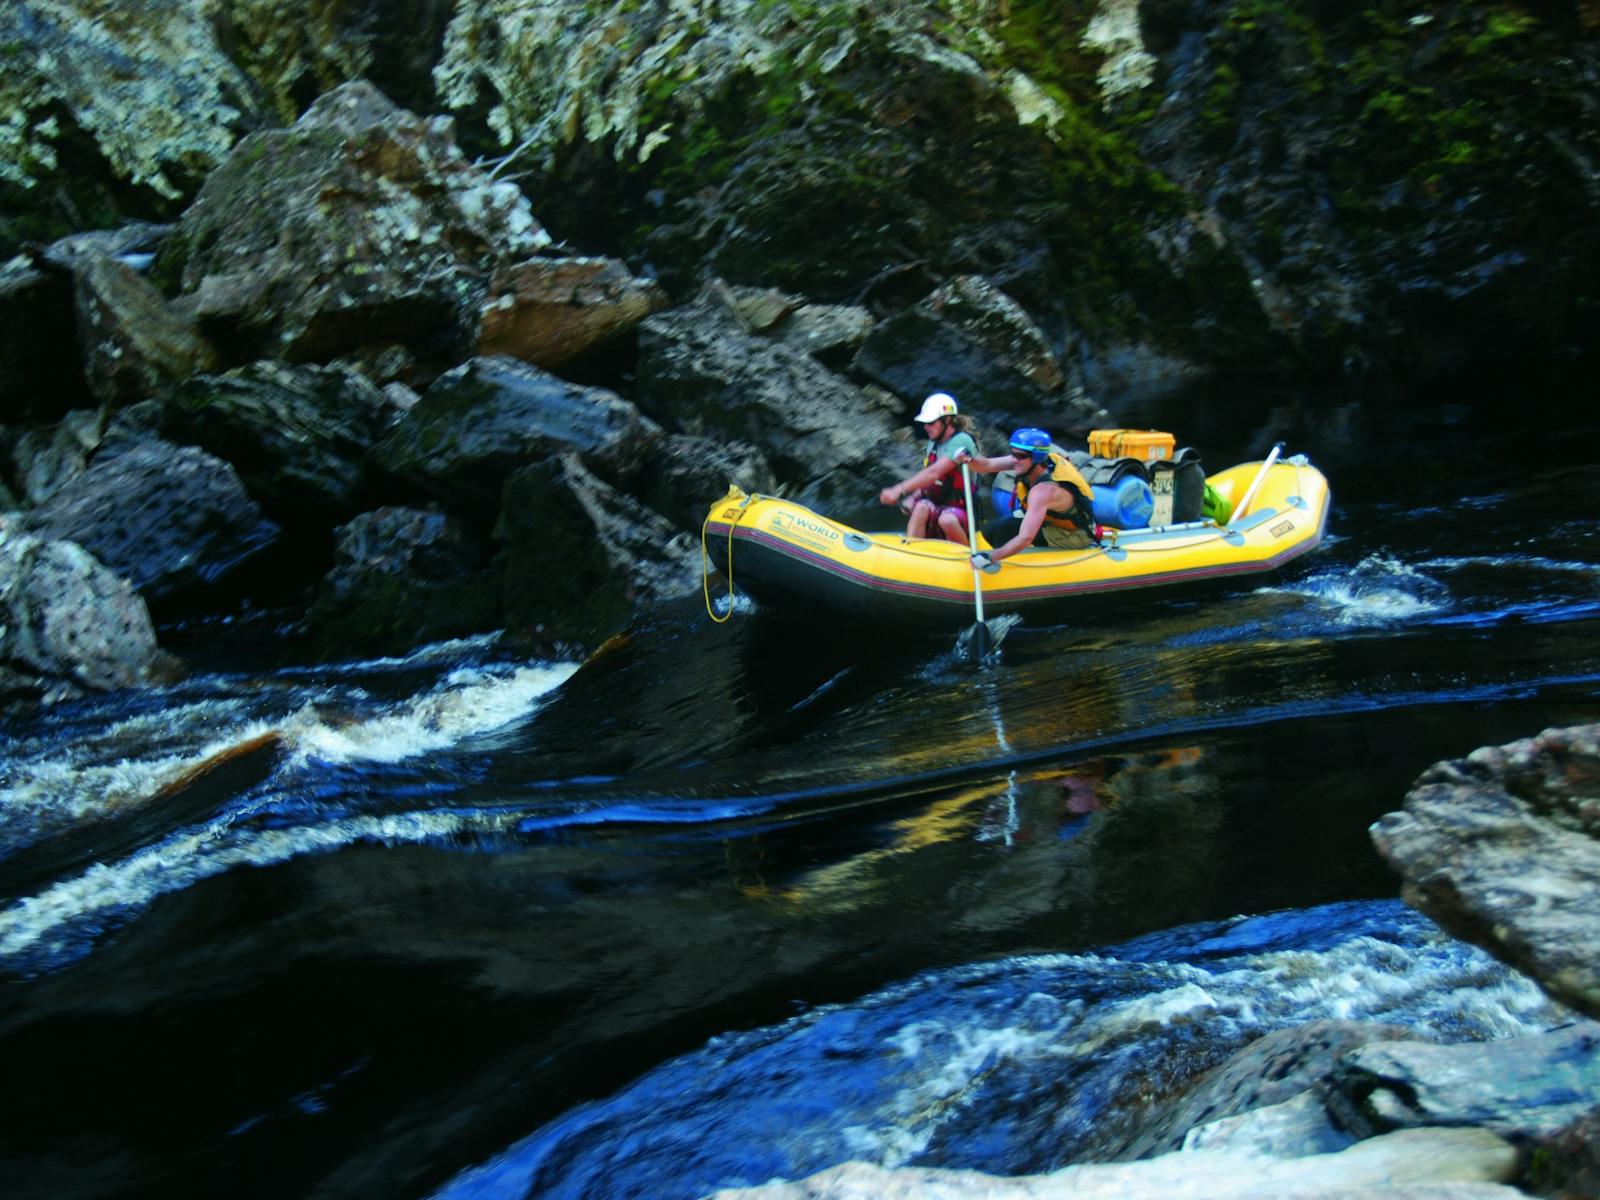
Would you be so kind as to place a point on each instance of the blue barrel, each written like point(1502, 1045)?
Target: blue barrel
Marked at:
point(1124, 503)
point(1003, 496)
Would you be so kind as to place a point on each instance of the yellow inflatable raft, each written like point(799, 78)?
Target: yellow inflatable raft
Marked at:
point(785, 554)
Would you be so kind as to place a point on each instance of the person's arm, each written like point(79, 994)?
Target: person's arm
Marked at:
point(1039, 497)
point(988, 466)
point(933, 472)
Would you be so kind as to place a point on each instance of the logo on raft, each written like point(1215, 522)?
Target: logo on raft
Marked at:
point(1281, 528)
point(802, 527)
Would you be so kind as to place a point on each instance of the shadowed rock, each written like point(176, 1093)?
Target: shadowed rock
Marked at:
point(402, 577)
point(133, 341)
point(482, 421)
point(297, 435)
point(580, 555)
point(699, 369)
point(41, 377)
point(168, 519)
point(1502, 848)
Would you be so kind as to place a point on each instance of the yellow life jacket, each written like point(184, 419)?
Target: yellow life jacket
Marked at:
point(1063, 474)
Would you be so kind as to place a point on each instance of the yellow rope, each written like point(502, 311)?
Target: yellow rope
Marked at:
point(705, 563)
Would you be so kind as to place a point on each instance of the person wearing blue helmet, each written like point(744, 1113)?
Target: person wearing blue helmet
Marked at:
point(1053, 500)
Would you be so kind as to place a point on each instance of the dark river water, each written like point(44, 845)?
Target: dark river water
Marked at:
point(731, 902)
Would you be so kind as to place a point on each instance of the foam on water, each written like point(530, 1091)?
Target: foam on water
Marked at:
point(44, 929)
point(1379, 590)
point(472, 701)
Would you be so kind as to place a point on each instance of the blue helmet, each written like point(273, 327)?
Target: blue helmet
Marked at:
point(1035, 443)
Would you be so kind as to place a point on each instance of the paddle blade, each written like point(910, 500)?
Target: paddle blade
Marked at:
point(982, 643)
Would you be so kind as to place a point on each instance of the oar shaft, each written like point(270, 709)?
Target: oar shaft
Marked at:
point(972, 542)
point(1255, 484)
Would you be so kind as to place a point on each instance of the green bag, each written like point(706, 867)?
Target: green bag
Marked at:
point(1214, 506)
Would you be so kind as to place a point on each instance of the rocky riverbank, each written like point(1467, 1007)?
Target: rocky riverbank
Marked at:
point(413, 337)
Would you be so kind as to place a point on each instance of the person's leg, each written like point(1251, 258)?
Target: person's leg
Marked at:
point(1002, 529)
point(953, 524)
point(921, 511)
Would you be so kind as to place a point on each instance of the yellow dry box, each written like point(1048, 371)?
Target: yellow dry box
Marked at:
point(1147, 445)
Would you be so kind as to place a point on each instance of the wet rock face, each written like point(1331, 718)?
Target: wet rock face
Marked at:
point(401, 577)
point(1342, 152)
point(1502, 848)
point(297, 435)
point(360, 224)
point(170, 520)
point(699, 368)
point(69, 622)
point(484, 420)
point(579, 555)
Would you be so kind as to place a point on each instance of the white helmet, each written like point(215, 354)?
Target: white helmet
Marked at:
point(935, 406)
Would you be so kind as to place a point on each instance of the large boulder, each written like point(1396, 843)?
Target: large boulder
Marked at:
point(700, 371)
point(298, 435)
point(401, 577)
point(360, 224)
point(133, 341)
point(480, 422)
point(1521, 1088)
point(580, 556)
point(171, 520)
point(551, 311)
point(67, 623)
point(1271, 1071)
point(971, 339)
point(1502, 848)
point(688, 474)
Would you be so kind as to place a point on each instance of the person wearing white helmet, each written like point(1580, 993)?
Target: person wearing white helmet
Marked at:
point(933, 497)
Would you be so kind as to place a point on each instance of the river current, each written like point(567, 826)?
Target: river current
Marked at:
point(735, 901)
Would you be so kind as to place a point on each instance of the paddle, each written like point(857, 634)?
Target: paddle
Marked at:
point(980, 631)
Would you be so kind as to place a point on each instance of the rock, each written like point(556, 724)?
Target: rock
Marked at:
point(687, 474)
point(297, 435)
point(148, 99)
point(579, 556)
point(70, 621)
point(360, 224)
point(133, 341)
point(1275, 1069)
point(45, 460)
point(1420, 1164)
point(490, 416)
point(41, 377)
point(550, 311)
point(1502, 848)
point(700, 370)
point(1291, 1129)
point(402, 577)
point(825, 331)
point(168, 519)
point(999, 324)
point(1520, 1088)
point(970, 340)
